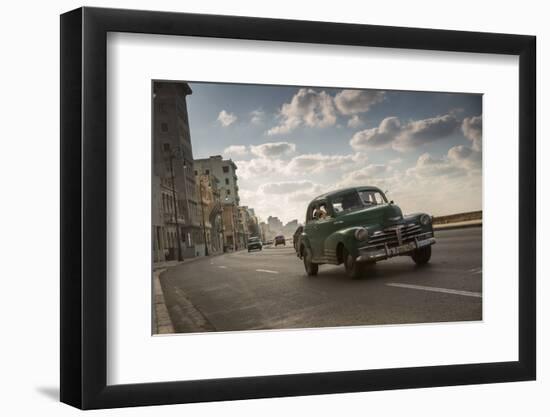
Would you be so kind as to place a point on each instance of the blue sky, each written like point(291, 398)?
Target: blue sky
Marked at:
point(292, 143)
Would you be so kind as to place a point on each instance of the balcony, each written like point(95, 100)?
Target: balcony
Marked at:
point(170, 218)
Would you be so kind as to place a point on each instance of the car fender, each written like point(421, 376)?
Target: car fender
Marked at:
point(303, 241)
point(415, 218)
point(344, 236)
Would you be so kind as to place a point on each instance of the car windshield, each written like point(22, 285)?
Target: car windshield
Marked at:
point(253, 239)
point(357, 200)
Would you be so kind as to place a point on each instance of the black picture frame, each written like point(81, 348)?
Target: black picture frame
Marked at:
point(84, 207)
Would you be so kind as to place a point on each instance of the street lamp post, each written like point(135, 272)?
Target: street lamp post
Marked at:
point(203, 223)
point(174, 199)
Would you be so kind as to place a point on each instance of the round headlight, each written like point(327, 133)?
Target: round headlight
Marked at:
point(361, 234)
point(425, 219)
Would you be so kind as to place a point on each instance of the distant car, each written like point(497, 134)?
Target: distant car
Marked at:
point(254, 243)
point(280, 240)
point(358, 226)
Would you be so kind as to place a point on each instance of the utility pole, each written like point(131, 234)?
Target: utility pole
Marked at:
point(203, 223)
point(175, 200)
point(233, 227)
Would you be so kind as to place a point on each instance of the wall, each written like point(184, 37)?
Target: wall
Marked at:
point(30, 302)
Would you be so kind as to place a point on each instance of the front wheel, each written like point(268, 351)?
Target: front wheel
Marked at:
point(311, 268)
point(354, 269)
point(422, 256)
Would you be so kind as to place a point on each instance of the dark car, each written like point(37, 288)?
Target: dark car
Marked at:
point(280, 240)
point(358, 226)
point(254, 243)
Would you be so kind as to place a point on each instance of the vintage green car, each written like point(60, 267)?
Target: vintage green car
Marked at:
point(357, 227)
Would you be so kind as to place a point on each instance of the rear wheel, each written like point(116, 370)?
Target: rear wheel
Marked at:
point(354, 269)
point(422, 256)
point(311, 268)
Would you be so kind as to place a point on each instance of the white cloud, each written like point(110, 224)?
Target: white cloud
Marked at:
point(471, 127)
point(260, 168)
point(257, 116)
point(355, 121)
point(285, 187)
point(430, 166)
point(404, 136)
point(286, 199)
point(368, 173)
point(377, 137)
point(460, 160)
point(317, 163)
point(273, 149)
point(235, 151)
point(421, 132)
point(350, 102)
point(467, 157)
point(306, 108)
point(226, 119)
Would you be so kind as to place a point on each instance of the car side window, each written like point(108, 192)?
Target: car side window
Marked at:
point(311, 213)
point(319, 211)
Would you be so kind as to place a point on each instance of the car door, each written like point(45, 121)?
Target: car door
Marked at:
point(311, 230)
point(325, 227)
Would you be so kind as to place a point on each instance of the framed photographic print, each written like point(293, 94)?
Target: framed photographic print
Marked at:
point(257, 208)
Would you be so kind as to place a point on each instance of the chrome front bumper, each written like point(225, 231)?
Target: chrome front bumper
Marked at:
point(373, 255)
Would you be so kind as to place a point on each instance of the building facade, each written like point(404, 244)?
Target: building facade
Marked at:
point(176, 225)
point(225, 171)
point(211, 211)
point(275, 225)
point(230, 218)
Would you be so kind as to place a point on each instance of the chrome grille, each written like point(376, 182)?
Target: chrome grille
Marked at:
point(396, 235)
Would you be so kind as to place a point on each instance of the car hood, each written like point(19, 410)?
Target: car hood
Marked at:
point(385, 214)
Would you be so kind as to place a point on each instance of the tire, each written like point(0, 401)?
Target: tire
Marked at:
point(422, 256)
point(311, 268)
point(354, 269)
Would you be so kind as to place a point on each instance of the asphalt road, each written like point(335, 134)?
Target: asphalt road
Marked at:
point(270, 290)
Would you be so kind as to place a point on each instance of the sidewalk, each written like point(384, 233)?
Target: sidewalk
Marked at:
point(162, 324)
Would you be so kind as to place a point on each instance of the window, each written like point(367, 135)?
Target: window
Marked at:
point(164, 127)
point(227, 181)
point(196, 173)
point(357, 200)
point(370, 198)
point(228, 192)
point(320, 212)
point(207, 172)
point(225, 169)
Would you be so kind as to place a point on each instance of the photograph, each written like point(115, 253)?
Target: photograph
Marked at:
point(295, 207)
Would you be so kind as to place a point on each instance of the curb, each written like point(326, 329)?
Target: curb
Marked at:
point(162, 323)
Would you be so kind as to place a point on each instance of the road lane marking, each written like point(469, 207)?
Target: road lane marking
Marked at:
point(222, 267)
point(436, 289)
point(267, 270)
point(475, 270)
